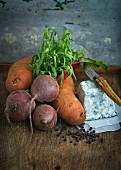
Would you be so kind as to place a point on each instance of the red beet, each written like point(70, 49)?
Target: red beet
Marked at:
point(18, 105)
point(44, 88)
point(44, 117)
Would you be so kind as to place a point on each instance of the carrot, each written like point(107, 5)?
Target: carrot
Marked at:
point(19, 75)
point(69, 107)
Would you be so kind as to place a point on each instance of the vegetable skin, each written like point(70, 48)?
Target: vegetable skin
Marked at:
point(69, 107)
point(18, 104)
point(44, 88)
point(68, 84)
point(19, 75)
point(44, 117)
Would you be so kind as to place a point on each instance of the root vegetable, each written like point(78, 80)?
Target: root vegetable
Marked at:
point(68, 84)
point(69, 107)
point(19, 75)
point(45, 117)
point(44, 88)
point(18, 105)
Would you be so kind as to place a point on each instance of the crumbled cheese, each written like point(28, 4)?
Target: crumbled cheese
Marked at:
point(96, 103)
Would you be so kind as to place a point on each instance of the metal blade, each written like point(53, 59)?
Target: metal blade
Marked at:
point(89, 71)
point(101, 83)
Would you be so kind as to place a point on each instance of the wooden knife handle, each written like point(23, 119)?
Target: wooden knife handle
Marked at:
point(104, 86)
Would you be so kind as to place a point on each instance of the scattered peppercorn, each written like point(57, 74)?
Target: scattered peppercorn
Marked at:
point(57, 167)
point(56, 129)
point(88, 142)
point(90, 128)
point(101, 140)
point(83, 132)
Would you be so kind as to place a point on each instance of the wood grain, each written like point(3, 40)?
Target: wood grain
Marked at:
point(48, 151)
point(94, 24)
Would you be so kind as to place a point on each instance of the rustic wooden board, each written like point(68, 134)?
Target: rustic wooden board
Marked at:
point(95, 26)
point(49, 152)
point(67, 4)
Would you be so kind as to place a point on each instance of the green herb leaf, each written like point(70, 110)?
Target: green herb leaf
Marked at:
point(56, 55)
point(94, 63)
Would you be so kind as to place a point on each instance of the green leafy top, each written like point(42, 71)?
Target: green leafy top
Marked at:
point(56, 55)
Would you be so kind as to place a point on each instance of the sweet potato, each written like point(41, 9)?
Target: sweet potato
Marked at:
point(69, 107)
point(67, 84)
point(19, 75)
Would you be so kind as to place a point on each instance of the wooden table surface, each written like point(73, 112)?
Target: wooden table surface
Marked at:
point(48, 151)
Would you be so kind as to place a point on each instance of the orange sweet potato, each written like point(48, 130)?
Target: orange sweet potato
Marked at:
point(69, 107)
point(19, 75)
point(68, 84)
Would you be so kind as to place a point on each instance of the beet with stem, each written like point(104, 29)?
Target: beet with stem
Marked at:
point(18, 105)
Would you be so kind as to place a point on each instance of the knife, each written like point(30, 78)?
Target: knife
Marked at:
point(101, 83)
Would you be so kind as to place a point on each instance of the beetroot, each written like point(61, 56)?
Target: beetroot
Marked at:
point(44, 117)
point(18, 105)
point(44, 88)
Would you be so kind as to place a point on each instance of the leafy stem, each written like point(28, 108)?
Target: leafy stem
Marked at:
point(56, 55)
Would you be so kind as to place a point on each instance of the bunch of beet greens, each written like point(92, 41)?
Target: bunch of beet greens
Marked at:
point(56, 56)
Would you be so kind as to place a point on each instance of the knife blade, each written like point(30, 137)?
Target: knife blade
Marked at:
point(89, 71)
point(101, 83)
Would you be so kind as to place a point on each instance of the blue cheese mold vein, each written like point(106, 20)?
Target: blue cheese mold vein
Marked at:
point(96, 103)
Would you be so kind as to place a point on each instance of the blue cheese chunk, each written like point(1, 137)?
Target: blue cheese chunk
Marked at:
point(96, 103)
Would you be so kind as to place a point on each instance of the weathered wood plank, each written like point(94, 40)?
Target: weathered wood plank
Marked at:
point(95, 27)
point(66, 4)
point(21, 33)
point(49, 152)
